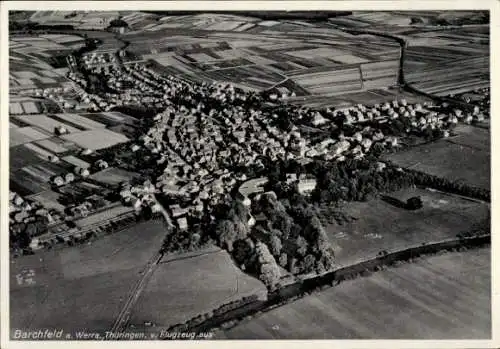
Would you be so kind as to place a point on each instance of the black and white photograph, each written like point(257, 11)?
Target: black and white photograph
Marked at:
point(248, 175)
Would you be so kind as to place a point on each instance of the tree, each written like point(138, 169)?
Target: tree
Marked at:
point(237, 210)
point(309, 263)
point(316, 235)
point(275, 245)
point(226, 234)
point(301, 245)
point(269, 272)
point(292, 265)
point(241, 229)
point(327, 258)
point(244, 251)
point(283, 222)
point(414, 203)
point(283, 260)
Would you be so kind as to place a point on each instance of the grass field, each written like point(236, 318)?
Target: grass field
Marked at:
point(45, 123)
point(182, 289)
point(96, 139)
point(81, 287)
point(383, 226)
point(23, 135)
point(439, 297)
point(113, 176)
point(466, 157)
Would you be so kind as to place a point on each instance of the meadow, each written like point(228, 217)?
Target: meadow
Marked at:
point(84, 286)
point(465, 157)
point(380, 225)
point(444, 296)
point(186, 287)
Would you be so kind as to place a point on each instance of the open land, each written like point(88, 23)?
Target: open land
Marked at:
point(380, 225)
point(83, 286)
point(465, 157)
point(184, 288)
point(439, 297)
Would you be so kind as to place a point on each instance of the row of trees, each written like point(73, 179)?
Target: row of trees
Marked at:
point(451, 186)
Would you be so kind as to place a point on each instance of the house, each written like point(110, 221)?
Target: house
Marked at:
point(291, 178)
point(19, 217)
point(138, 204)
point(340, 147)
point(135, 147)
point(381, 166)
point(251, 221)
point(102, 164)
point(84, 172)
point(393, 141)
point(326, 142)
point(182, 223)
point(125, 193)
point(318, 119)
point(366, 143)
point(53, 158)
point(18, 200)
point(245, 200)
point(60, 130)
point(306, 186)
point(155, 208)
point(177, 210)
point(58, 181)
point(35, 244)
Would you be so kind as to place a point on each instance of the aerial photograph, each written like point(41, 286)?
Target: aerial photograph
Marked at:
point(195, 175)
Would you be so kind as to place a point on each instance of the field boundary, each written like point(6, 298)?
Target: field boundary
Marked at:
point(333, 278)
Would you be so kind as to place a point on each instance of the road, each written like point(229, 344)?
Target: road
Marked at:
point(124, 315)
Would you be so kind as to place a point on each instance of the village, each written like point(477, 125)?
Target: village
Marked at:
point(204, 171)
point(213, 129)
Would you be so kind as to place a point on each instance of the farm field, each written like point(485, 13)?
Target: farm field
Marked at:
point(21, 135)
point(95, 139)
point(49, 200)
point(474, 137)
point(447, 61)
point(383, 226)
point(45, 122)
point(187, 287)
point(82, 286)
point(465, 157)
point(112, 176)
point(439, 297)
point(256, 55)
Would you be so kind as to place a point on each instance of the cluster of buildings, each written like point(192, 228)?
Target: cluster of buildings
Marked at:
point(24, 211)
point(127, 84)
point(140, 196)
point(205, 132)
point(208, 132)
